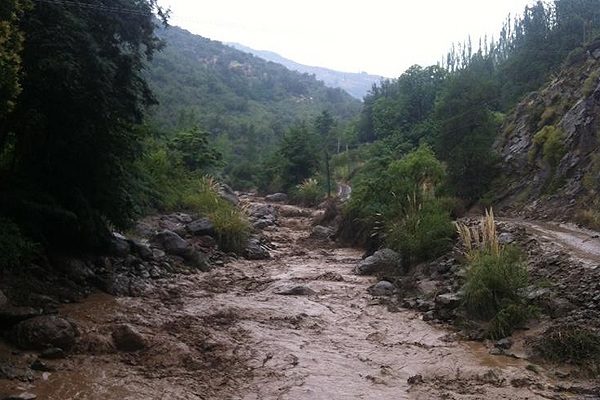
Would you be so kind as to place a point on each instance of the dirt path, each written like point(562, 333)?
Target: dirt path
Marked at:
point(582, 244)
point(228, 334)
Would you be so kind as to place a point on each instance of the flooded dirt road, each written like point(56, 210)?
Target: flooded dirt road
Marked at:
point(582, 244)
point(232, 334)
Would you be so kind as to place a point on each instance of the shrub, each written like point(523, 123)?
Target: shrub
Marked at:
point(309, 192)
point(571, 344)
point(551, 140)
point(231, 228)
point(494, 274)
point(15, 248)
point(590, 83)
point(424, 230)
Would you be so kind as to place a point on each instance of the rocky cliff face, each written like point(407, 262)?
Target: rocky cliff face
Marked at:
point(550, 147)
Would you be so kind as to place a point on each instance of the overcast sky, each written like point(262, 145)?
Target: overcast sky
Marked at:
point(377, 36)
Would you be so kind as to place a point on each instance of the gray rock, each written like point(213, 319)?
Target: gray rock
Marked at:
point(144, 230)
point(53, 353)
point(382, 288)
point(11, 315)
point(13, 372)
point(119, 246)
point(201, 227)
point(171, 243)
point(45, 331)
point(447, 301)
point(22, 396)
point(126, 338)
point(142, 249)
point(297, 291)
point(228, 194)
point(505, 343)
point(495, 351)
point(277, 198)
point(533, 293)
point(37, 365)
point(506, 238)
point(320, 232)
point(75, 269)
point(381, 261)
point(3, 300)
point(255, 250)
point(181, 217)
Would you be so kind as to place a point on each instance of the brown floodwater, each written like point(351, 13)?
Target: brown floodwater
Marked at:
point(228, 334)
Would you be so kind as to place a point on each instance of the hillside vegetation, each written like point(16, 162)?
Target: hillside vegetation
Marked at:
point(357, 84)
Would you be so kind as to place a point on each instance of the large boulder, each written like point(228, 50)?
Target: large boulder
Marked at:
point(382, 288)
point(11, 315)
point(45, 331)
point(256, 249)
point(76, 269)
point(277, 198)
point(381, 261)
point(201, 227)
point(172, 243)
point(320, 232)
point(228, 194)
point(127, 338)
point(119, 246)
point(142, 249)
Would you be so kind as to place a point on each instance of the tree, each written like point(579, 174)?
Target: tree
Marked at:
point(298, 156)
point(467, 128)
point(11, 41)
point(324, 124)
point(74, 126)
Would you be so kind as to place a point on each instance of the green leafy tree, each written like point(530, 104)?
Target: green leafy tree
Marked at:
point(298, 156)
point(74, 126)
point(11, 43)
point(324, 125)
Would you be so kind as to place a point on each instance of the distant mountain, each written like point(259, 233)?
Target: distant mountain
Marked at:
point(357, 84)
point(246, 103)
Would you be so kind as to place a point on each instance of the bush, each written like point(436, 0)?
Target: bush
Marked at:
point(551, 140)
point(423, 231)
point(309, 192)
point(15, 248)
point(494, 274)
point(590, 83)
point(571, 344)
point(231, 228)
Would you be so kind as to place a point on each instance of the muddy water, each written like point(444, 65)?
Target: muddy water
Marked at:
point(228, 334)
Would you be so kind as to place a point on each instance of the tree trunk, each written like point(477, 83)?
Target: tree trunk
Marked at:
point(327, 172)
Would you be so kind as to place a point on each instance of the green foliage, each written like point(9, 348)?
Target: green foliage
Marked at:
point(83, 93)
point(492, 280)
point(309, 192)
point(551, 140)
point(572, 344)
point(467, 129)
point(231, 228)
point(194, 150)
point(394, 201)
point(591, 83)
point(15, 248)
point(511, 315)
point(11, 42)
point(422, 231)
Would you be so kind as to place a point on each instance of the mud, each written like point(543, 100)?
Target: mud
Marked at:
point(227, 334)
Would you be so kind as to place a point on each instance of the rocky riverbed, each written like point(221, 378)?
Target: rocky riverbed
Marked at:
point(290, 320)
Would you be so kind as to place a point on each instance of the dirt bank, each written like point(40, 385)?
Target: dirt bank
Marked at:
point(233, 333)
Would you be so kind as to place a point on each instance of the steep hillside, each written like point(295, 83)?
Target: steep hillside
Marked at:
point(232, 93)
point(550, 146)
point(357, 84)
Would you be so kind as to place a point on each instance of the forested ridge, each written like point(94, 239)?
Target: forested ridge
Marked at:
point(122, 140)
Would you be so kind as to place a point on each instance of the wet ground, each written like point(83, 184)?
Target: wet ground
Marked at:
point(231, 334)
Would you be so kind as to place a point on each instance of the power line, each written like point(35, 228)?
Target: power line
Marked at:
point(96, 7)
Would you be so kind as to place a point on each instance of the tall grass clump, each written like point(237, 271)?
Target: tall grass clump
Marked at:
point(494, 275)
point(309, 192)
point(571, 344)
point(231, 228)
